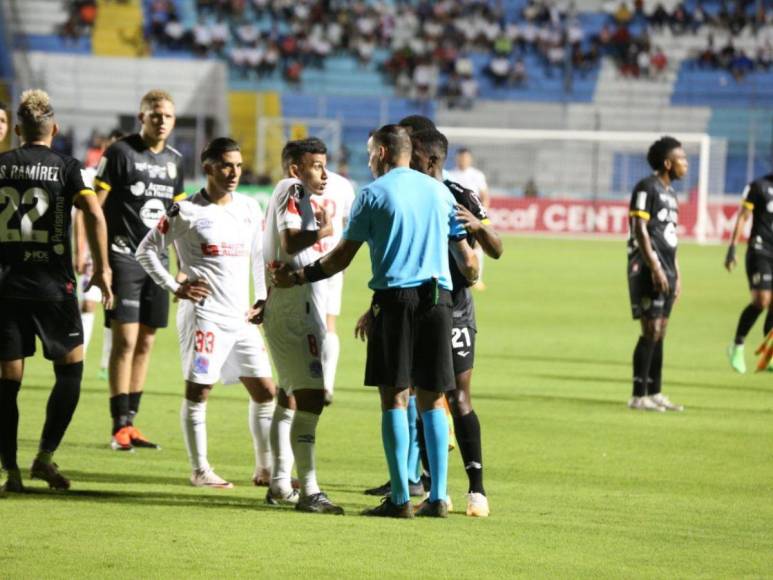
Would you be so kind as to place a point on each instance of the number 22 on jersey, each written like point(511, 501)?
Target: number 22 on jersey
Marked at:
point(37, 202)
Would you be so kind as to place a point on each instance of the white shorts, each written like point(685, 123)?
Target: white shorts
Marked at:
point(210, 351)
point(335, 287)
point(93, 294)
point(295, 336)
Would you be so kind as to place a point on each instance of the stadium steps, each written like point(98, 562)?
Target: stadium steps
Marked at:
point(118, 29)
point(38, 17)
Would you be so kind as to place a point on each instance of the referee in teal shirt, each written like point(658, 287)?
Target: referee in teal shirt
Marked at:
point(409, 222)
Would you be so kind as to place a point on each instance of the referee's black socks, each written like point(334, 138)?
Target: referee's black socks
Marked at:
point(61, 405)
point(119, 411)
point(9, 422)
point(467, 429)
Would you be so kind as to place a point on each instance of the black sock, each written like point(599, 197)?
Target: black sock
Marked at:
point(61, 404)
point(426, 479)
point(468, 437)
point(9, 423)
point(768, 322)
point(656, 370)
point(134, 406)
point(119, 411)
point(746, 321)
point(642, 360)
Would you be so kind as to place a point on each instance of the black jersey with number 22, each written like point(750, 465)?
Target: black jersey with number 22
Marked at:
point(37, 190)
point(657, 204)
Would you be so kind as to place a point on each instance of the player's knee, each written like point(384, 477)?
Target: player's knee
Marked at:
point(761, 300)
point(69, 376)
point(196, 393)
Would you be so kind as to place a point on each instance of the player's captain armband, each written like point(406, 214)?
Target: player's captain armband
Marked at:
point(87, 192)
point(485, 221)
point(745, 198)
point(641, 200)
point(639, 214)
point(180, 196)
point(101, 184)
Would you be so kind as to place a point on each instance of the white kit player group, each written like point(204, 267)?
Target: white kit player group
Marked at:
point(219, 236)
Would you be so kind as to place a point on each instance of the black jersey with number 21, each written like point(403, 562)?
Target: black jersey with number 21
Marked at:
point(37, 190)
point(657, 204)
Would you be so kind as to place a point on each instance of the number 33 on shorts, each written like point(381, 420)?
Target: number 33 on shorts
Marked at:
point(204, 342)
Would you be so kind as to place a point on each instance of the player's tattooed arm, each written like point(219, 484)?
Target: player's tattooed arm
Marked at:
point(193, 290)
point(659, 278)
point(465, 258)
point(484, 234)
point(740, 226)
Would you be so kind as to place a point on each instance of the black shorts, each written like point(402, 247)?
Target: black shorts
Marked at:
point(408, 344)
point(463, 331)
point(58, 324)
point(137, 298)
point(759, 270)
point(646, 302)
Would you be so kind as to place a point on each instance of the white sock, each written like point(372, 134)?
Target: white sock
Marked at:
point(87, 320)
point(303, 435)
point(193, 418)
point(282, 458)
point(107, 345)
point(260, 418)
point(331, 347)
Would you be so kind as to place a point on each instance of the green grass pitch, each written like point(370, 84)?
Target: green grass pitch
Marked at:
point(579, 485)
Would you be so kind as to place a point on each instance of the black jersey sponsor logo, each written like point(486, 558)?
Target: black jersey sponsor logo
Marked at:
point(151, 212)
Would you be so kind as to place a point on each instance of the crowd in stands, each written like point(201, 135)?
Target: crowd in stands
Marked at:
point(81, 15)
point(425, 48)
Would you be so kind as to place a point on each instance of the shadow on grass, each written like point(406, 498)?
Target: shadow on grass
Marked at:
point(96, 390)
point(221, 500)
point(553, 359)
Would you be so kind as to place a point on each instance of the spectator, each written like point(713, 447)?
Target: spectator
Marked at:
point(499, 70)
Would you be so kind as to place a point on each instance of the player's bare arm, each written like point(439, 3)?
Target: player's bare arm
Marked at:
point(678, 288)
point(484, 234)
point(293, 240)
point(81, 244)
point(96, 233)
point(465, 258)
point(740, 224)
point(650, 257)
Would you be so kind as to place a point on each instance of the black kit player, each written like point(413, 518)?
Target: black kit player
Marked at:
point(138, 179)
point(654, 280)
point(38, 296)
point(757, 203)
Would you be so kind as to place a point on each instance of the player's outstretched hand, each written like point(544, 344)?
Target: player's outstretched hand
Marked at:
point(660, 281)
point(281, 275)
point(103, 279)
point(255, 314)
point(363, 326)
point(324, 223)
point(193, 290)
point(730, 261)
point(467, 219)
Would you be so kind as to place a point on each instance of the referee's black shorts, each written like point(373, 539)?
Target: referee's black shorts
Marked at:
point(409, 341)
